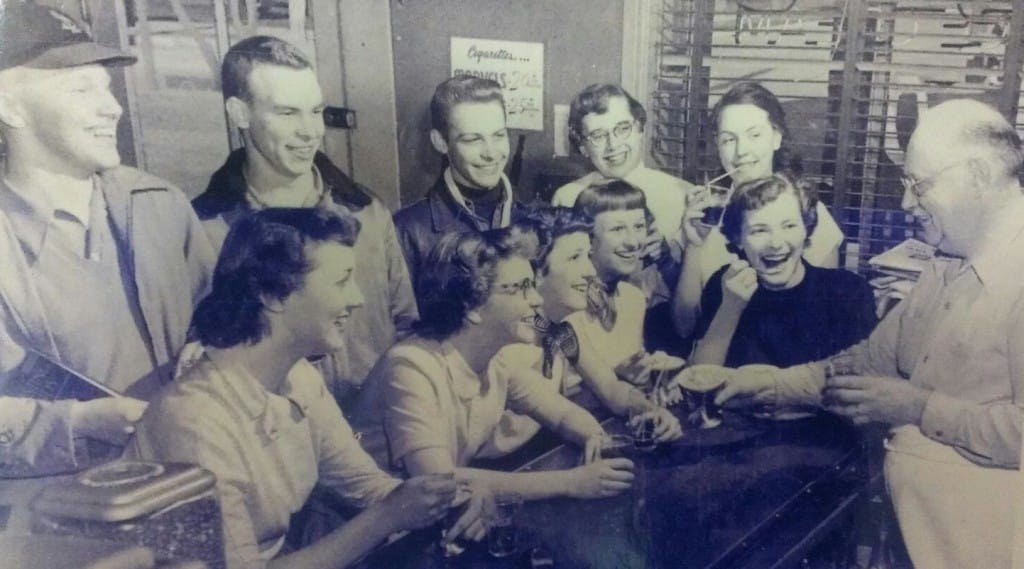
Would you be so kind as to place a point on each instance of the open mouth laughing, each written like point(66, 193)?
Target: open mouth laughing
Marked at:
point(775, 263)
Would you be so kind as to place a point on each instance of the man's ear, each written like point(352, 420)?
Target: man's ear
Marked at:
point(473, 317)
point(238, 111)
point(10, 112)
point(980, 172)
point(438, 141)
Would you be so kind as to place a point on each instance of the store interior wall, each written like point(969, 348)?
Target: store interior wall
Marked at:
point(582, 45)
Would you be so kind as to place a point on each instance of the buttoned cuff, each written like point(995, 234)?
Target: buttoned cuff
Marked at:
point(940, 417)
point(37, 439)
point(799, 386)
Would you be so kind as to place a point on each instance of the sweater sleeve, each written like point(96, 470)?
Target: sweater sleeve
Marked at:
point(710, 300)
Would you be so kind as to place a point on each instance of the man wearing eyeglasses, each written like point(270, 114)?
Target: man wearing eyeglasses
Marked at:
point(606, 124)
point(945, 368)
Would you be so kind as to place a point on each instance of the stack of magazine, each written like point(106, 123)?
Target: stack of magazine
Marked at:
point(900, 268)
point(905, 260)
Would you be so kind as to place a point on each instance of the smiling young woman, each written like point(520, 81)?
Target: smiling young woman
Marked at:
point(439, 395)
point(772, 306)
point(572, 364)
point(751, 137)
point(254, 411)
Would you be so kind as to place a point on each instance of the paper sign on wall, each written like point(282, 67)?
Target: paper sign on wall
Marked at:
point(517, 66)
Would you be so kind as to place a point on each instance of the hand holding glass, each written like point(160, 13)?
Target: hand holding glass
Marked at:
point(503, 535)
point(700, 384)
point(643, 422)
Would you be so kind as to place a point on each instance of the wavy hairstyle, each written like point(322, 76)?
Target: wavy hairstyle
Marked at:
point(263, 259)
point(755, 194)
point(594, 99)
point(245, 55)
point(461, 89)
point(754, 93)
point(550, 223)
point(460, 272)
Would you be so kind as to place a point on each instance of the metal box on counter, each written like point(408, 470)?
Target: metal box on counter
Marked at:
point(170, 508)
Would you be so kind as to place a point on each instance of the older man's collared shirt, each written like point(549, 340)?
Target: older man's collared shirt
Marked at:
point(266, 449)
point(960, 333)
point(78, 272)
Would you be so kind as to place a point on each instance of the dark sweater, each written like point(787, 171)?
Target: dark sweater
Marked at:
point(829, 311)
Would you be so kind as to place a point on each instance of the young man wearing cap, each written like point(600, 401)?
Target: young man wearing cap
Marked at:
point(472, 194)
point(272, 95)
point(102, 264)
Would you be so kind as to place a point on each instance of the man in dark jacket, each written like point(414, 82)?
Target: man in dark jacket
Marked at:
point(272, 94)
point(472, 194)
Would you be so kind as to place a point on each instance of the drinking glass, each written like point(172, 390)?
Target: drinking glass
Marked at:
point(616, 446)
point(462, 495)
point(503, 534)
point(642, 421)
point(700, 384)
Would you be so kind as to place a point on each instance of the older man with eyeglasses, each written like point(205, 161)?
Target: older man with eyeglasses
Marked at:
point(945, 368)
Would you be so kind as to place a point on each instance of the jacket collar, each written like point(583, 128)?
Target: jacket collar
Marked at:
point(448, 211)
point(444, 212)
point(30, 217)
point(227, 188)
point(34, 217)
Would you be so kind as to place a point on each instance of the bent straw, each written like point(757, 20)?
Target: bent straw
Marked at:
point(728, 193)
point(722, 177)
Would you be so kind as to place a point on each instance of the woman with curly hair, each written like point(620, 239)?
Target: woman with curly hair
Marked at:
point(441, 393)
point(771, 306)
point(253, 410)
point(566, 281)
point(751, 138)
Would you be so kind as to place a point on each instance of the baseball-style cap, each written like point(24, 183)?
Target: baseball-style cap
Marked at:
point(41, 37)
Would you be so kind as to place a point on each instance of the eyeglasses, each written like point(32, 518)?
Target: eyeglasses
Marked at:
point(601, 137)
point(919, 186)
point(522, 287)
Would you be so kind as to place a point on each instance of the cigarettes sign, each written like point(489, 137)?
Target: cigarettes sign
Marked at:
point(517, 66)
